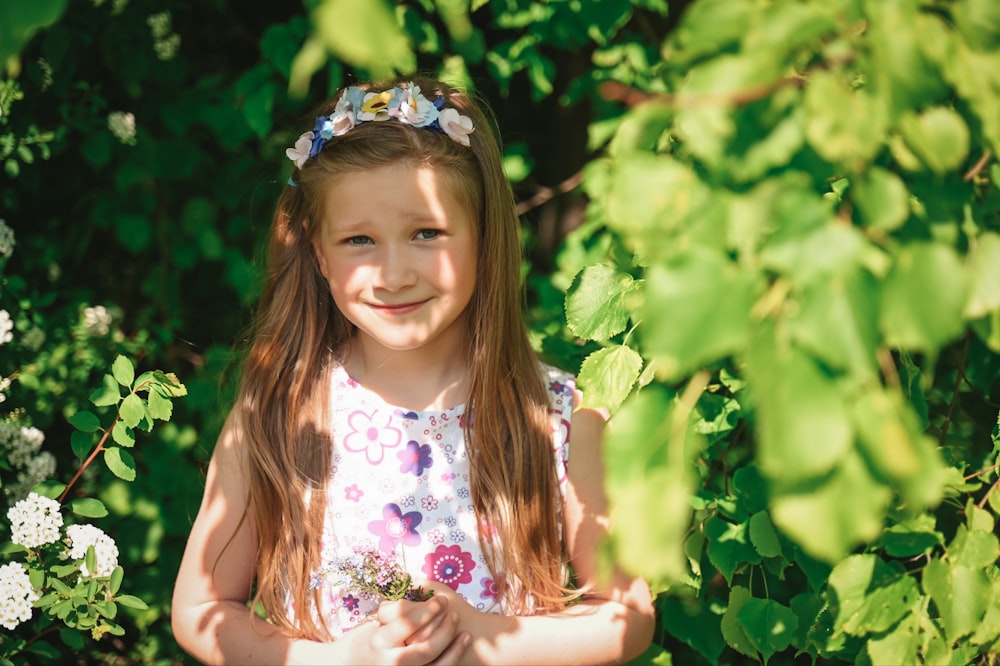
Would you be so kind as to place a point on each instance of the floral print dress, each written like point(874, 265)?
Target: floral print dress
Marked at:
point(400, 484)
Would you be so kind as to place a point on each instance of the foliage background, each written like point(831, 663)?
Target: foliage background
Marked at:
point(792, 210)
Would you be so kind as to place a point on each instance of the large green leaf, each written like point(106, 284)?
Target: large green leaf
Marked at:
point(961, 594)
point(938, 136)
point(608, 375)
point(696, 312)
point(769, 625)
point(19, 20)
point(803, 423)
point(828, 518)
point(923, 297)
point(844, 126)
point(597, 305)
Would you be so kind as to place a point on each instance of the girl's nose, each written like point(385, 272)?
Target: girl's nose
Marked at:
point(395, 270)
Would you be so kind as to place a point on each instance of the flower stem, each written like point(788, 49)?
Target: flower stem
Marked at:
point(90, 459)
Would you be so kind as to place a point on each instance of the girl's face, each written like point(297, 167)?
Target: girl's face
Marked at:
point(399, 253)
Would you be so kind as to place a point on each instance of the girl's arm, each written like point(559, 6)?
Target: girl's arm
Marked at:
point(210, 616)
point(614, 623)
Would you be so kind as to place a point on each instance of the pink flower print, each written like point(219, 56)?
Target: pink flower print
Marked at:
point(449, 565)
point(489, 588)
point(436, 537)
point(429, 503)
point(372, 434)
point(350, 602)
point(415, 458)
point(352, 493)
point(448, 477)
point(396, 527)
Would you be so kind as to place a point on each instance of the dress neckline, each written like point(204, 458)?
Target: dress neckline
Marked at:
point(355, 385)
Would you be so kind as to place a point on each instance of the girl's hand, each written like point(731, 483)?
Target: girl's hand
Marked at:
point(409, 633)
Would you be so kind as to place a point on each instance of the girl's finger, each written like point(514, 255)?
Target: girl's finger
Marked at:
point(454, 652)
point(401, 619)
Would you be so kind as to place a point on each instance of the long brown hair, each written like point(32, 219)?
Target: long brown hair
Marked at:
point(285, 393)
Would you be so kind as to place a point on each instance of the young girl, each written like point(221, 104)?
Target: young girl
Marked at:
point(391, 405)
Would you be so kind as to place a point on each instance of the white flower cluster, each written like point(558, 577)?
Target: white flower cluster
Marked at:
point(165, 41)
point(97, 320)
point(16, 595)
point(6, 239)
point(21, 446)
point(81, 537)
point(6, 327)
point(4, 385)
point(35, 521)
point(122, 125)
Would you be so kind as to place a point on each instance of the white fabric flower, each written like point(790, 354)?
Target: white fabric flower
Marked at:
point(81, 537)
point(16, 595)
point(35, 521)
point(455, 125)
point(300, 153)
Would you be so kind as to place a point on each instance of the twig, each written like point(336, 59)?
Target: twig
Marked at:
point(977, 167)
point(544, 194)
point(619, 92)
point(90, 459)
point(888, 367)
point(982, 471)
point(981, 503)
point(955, 392)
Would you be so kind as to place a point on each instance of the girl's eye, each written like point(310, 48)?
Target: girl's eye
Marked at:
point(428, 234)
point(358, 240)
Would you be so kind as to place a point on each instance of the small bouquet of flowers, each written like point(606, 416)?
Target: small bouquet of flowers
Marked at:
point(375, 575)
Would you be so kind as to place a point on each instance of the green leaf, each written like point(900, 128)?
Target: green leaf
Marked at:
point(115, 582)
point(882, 199)
point(923, 297)
point(132, 410)
point(346, 28)
point(129, 601)
point(984, 275)
point(90, 560)
point(123, 371)
point(829, 517)
point(596, 305)
point(168, 384)
point(843, 126)
point(120, 462)
point(608, 375)
point(81, 443)
point(159, 406)
point(938, 136)
point(803, 422)
point(694, 623)
point(123, 435)
point(71, 639)
point(649, 467)
point(44, 650)
point(697, 312)
point(85, 421)
point(769, 625)
point(911, 538)
point(961, 595)
point(108, 394)
point(88, 507)
point(762, 535)
point(975, 549)
point(729, 547)
point(732, 629)
point(901, 645)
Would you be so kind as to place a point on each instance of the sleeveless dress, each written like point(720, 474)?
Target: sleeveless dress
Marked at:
point(400, 485)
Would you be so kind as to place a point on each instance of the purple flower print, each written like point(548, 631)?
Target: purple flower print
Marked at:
point(372, 434)
point(429, 503)
point(558, 388)
point(396, 528)
point(449, 565)
point(352, 493)
point(415, 458)
point(489, 588)
point(350, 602)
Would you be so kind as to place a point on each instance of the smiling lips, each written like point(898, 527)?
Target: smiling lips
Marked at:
point(401, 309)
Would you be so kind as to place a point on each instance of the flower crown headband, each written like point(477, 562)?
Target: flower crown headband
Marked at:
point(404, 103)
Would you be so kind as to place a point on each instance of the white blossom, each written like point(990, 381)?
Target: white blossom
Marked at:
point(122, 125)
point(6, 327)
point(4, 386)
point(35, 521)
point(81, 537)
point(97, 320)
point(34, 338)
point(16, 595)
point(6, 239)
